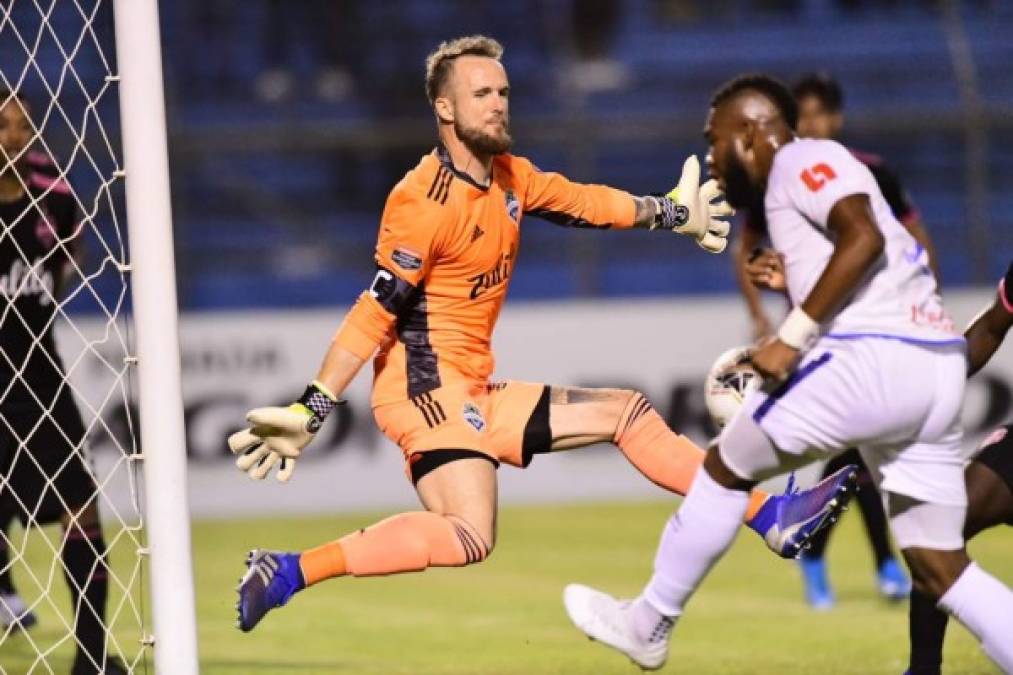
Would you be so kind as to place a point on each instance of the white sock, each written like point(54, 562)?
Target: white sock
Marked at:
point(695, 537)
point(985, 606)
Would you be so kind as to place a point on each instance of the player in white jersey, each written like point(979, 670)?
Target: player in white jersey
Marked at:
point(867, 358)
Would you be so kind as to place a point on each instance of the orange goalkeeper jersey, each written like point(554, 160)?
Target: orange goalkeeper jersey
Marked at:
point(446, 249)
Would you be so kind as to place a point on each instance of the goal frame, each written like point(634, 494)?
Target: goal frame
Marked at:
point(155, 312)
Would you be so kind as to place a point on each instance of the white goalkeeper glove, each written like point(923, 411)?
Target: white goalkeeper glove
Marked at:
point(278, 435)
point(695, 210)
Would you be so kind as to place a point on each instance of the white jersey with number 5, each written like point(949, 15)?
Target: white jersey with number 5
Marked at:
point(898, 298)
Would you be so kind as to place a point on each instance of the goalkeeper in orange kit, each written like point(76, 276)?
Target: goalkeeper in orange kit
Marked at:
point(446, 250)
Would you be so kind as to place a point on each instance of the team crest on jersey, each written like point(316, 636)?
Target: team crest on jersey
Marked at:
point(473, 416)
point(513, 206)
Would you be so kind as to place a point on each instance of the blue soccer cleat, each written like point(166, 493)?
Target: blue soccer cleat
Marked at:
point(272, 578)
point(787, 522)
point(893, 584)
point(816, 583)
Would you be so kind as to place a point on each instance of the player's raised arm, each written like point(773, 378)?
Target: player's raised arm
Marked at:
point(691, 209)
point(404, 254)
point(989, 328)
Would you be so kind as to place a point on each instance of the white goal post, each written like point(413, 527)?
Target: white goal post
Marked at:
point(149, 223)
point(76, 356)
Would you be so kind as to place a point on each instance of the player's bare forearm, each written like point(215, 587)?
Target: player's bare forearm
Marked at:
point(917, 229)
point(985, 334)
point(858, 245)
point(339, 368)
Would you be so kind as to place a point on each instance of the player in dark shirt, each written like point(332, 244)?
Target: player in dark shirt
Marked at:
point(820, 102)
point(46, 475)
point(989, 479)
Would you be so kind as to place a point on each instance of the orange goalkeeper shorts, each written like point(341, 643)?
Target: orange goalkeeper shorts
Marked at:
point(504, 421)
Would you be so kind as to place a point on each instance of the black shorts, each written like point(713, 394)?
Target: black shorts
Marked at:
point(43, 458)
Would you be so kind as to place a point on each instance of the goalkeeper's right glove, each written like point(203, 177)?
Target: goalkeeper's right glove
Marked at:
point(278, 435)
point(695, 210)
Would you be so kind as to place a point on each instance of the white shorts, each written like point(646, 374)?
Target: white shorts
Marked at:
point(898, 402)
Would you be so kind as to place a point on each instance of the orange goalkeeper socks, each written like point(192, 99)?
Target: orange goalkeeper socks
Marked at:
point(323, 562)
point(407, 542)
point(666, 458)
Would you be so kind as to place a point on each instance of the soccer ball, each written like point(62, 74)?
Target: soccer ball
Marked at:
point(729, 381)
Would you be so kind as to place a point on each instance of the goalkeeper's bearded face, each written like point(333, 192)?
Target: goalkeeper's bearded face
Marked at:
point(15, 131)
point(481, 107)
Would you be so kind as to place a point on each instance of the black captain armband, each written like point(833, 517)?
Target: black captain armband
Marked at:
point(390, 290)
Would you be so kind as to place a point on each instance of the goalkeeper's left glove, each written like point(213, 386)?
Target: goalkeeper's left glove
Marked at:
point(695, 210)
point(278, 435)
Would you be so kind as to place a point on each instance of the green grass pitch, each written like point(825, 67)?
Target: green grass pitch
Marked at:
point(505, 616)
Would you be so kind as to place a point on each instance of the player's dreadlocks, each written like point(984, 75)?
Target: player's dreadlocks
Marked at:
point(438, 63)
point(766, 85)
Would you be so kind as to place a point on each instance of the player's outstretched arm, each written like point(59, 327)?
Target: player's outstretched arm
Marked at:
point(699, 211)
point(277, 434)
point(405, 251)
point(988, 330)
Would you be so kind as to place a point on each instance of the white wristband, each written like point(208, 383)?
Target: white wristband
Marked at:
point(798, 331)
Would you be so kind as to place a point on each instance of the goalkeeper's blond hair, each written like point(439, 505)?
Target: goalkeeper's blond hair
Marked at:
point(440, 61)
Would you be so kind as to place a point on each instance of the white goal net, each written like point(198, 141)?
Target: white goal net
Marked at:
point(74, 565)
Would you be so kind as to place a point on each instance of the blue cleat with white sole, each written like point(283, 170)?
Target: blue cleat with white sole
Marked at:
point(271, 580)
point(787, 522)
